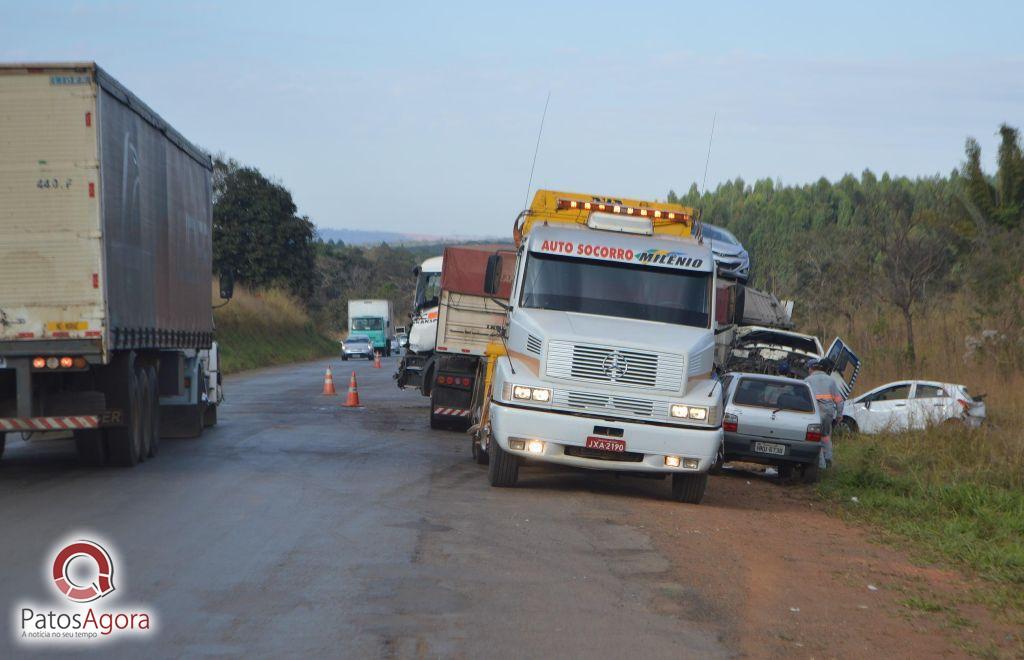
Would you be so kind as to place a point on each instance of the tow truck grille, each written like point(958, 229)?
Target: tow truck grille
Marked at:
point(602, 403)
point(620, 366)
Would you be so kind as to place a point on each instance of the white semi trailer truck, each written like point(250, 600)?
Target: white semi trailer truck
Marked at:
point(106, 326)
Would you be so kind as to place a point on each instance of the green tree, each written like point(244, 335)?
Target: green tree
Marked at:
point(257, 232)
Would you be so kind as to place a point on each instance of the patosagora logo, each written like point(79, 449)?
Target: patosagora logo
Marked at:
point(82, 570)
point(89, 550)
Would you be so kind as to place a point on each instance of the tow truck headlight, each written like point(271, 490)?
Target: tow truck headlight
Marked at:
point(699, 413)
point(525, 393)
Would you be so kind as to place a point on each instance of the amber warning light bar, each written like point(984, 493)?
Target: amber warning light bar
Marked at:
point(621, 209)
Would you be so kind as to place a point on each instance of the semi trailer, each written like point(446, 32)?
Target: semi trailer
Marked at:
point(106, 324)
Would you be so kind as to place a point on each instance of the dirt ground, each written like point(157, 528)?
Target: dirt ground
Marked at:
point(791, 580)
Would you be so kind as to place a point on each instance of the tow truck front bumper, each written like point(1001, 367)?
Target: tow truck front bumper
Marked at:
point(565, 440)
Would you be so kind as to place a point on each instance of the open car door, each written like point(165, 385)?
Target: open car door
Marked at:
point(847, 366)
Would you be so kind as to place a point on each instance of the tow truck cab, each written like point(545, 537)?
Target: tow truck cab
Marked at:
point(609, 355)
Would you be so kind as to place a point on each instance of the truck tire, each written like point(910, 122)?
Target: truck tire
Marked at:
point(689, 488)
point(503, 467)
point(210, 415)
point(154, 417)
point(124, 442)
point(146, 410)
point(3, 444)
point(479, 455)
point(91, 448)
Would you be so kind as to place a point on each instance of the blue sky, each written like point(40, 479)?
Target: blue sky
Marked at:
point(421, 118)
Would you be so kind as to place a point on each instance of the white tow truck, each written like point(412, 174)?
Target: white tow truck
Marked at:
point(607, 358)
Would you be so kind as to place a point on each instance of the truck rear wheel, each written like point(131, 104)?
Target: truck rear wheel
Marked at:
point(689, 488)
point(90, 447)
point(154, 415)
point(503, 468)
point(146, 410)
point(124, 443)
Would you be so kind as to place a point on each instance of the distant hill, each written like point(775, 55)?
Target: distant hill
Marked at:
point(364, 237)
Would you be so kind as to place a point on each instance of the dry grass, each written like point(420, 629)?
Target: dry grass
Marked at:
point(258, 329)
point(952, 495)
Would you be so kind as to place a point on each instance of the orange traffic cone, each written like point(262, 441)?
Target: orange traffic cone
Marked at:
point(376, 359)
point(353, 393)
point(329, 383)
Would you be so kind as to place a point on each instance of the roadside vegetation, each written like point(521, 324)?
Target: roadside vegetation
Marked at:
point(266, 328)
point(924, 279)
point(292, 302)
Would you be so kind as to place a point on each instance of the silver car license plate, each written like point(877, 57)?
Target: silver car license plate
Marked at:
point(769, 448)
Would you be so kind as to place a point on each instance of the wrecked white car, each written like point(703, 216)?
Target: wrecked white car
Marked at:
point(912, 404)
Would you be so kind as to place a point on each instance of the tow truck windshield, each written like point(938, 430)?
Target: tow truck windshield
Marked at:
point(568, 284)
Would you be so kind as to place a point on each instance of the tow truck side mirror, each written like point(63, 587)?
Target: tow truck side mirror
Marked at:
point(492, 279)
point(227, 285)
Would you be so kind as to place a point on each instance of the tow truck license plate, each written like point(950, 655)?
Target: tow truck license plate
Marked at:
point(769, 448)
point(605, 444)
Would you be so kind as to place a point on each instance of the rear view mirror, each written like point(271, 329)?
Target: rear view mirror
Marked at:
point(492, 279)
point(227, 285)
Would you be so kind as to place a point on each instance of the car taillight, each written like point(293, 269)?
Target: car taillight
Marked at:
point(813, 433)
point(730, 422)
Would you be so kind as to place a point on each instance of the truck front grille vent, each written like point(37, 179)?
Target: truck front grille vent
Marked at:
point(619, 366)
point(533, 344)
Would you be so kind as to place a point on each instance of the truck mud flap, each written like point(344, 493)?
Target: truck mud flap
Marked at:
point(106, 419)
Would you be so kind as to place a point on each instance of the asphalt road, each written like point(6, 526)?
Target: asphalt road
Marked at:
point(298, 527)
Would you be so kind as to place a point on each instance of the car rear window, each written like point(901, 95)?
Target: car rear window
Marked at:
point(774, 395)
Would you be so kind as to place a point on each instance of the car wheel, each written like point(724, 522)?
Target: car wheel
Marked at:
point(344, 357)
point(689, 488)
point(810, 473)
point(847, 426)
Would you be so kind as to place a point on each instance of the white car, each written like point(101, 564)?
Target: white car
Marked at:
point(911, 404)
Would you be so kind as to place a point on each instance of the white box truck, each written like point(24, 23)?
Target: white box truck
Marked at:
point(372, 319)
point(106, 326)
